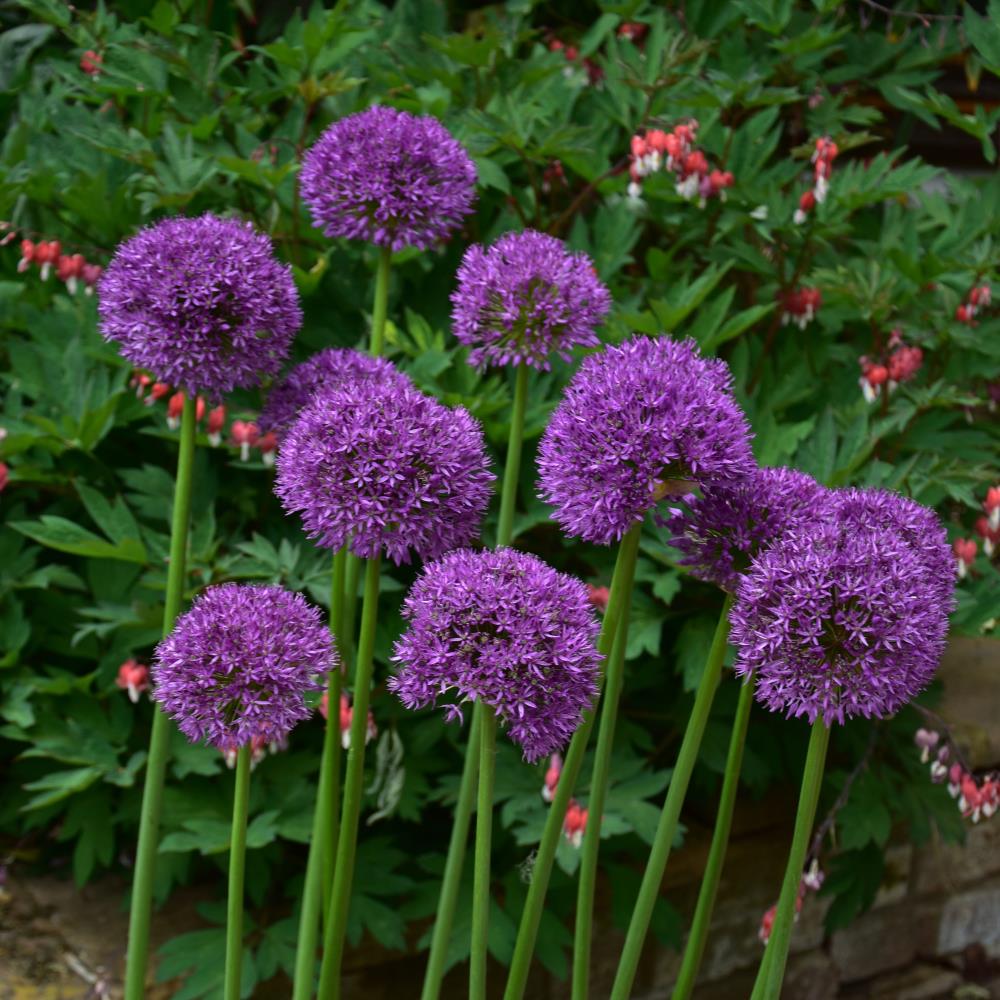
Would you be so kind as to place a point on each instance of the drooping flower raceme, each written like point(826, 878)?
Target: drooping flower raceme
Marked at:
point(327, 369)
point(237, 666)
point(847, 616)
point(634, 420)
point(720, 532)
point(384, 467)
point(503, 628)
point(525, 298)
point(388, 177)
point(202, 303)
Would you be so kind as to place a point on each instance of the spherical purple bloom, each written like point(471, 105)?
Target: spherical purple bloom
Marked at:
point(721, 532)
point(504, 628)
point(847, 616)
point(326, 369)
point(524, 298)
point(388, 177)
point(638, 422)
point(382, 466)
point(237, 666)
point(201, 303)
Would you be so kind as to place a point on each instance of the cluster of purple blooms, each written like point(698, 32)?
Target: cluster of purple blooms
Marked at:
point(202, 303)
point(505, 629)
point(237, 667)
point(525, 298)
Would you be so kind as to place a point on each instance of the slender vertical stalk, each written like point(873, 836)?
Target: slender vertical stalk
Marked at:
point(237, 866)
point(614, 676)
point(508, 500)
point(336, 921)
point(666, 829)
point(381, 305)
point(452, 879)
point(319, 866)
point(527, 933)
point(695, 948)
point(352, 577)
point(159, 741)
point(484, 835)
point(772, 970)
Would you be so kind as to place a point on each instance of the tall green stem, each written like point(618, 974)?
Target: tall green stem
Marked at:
point(695, 948)
point(381, 305)
point(237, 866)
point(484, 835)
point(772, 970)
point(614, 676)
point(508, 500)
point(319, 866)
point(336, 921)
point(159, 740)
point(527, 933)
point(452, 879)
point(666, 829)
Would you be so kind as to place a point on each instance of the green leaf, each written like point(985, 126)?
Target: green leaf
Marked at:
point(59, 785)
point(65, 536)
point(691, 649)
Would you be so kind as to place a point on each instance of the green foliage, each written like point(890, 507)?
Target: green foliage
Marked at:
point(202, 107)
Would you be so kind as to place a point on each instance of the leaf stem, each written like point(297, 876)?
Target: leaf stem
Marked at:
point(508, 500)
point(336, 922)
point(381, 306)
point(159, 742)
point(695, 948)
point(237, 866)
point(484, 834)
point(656, 864)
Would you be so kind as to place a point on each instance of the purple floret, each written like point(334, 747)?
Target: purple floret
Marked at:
point(201, 303)
point(504, 628)
point(721, 532)
point(847, 616)
point(388, 177)
point(237, 666)
point(326, 369)
point(636, 423)
point(385, 468)
point(525, 298)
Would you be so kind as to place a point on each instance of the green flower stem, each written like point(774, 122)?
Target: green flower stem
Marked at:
point(613, 678)
point(667, 827)
point(621, 592)
point(237, 866)
point(452, 879)
point(352, 577)
point(484, 834)
point(319, 867)
point(772, 968)
point(159, 741)
point(508, 500)
point(343, 874)
point(695, 948)
point(381, 305)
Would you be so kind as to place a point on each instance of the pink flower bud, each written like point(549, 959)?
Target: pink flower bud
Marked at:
point(244, 433)
point(90, 62)
point(134, 678)
point(4, 476)
point(552, 777)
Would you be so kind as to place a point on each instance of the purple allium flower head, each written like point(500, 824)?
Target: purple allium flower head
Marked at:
point(847, 616)
point(388, 177)
point(328, 368)
point(237, 666)
point(202, 303)
point(384, 467)
point(524, 298)
point(633, 419)
point(502, 627)
point(721, 532)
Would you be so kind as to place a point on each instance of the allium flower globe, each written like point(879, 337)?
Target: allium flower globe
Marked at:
point(201, 303)
point(388, 177)
point(326, 369)
point(720, 532)
point(503, 628)
point(385, 468)
point(847, 616)
point(525, 298)
point(237, 666)
point(634, 418)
